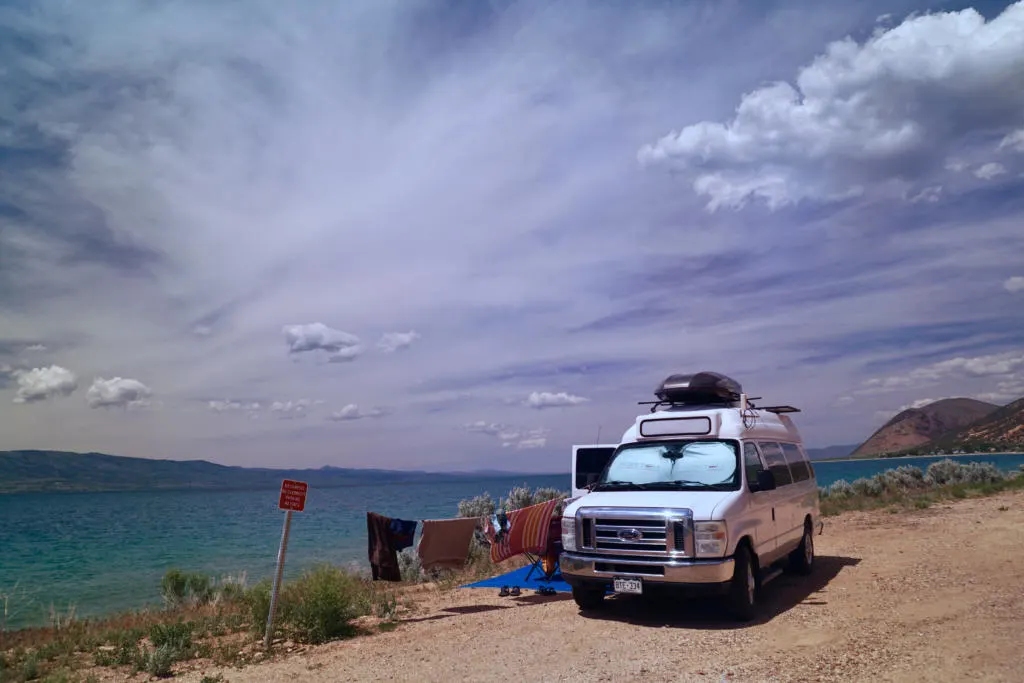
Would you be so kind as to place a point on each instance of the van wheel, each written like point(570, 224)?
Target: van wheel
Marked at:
point(742, 597)
point(588, 598)
point(801, 560)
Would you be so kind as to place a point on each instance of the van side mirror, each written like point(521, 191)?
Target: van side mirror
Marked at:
point(765, 480)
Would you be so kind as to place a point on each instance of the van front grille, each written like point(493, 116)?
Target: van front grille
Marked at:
point(639, 532)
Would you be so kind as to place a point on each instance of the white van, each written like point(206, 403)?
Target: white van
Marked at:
point(706, 493)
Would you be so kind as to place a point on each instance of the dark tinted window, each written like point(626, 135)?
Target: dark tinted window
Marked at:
point(751, 463)
point(776, 461)
point(590, 462)
point(797, 463)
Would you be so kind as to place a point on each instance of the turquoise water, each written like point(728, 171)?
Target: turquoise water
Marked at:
point(106, 552)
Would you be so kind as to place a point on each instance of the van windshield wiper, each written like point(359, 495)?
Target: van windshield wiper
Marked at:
point(683, 483)
point(616, 484)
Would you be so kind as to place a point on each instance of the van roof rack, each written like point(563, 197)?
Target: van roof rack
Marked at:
point(778, 410)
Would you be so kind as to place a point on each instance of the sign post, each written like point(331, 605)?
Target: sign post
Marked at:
point(292, 499)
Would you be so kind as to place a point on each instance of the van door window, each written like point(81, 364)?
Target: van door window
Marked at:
point(776, 462)
point(752, 464)
point(590, 463)
point(797, 464)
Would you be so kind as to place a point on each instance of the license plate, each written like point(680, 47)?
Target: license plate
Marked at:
point(627, 586)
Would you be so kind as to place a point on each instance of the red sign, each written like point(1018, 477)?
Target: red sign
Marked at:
point(293, 495)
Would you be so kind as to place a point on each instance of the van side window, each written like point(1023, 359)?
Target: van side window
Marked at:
point(810, 465)
point(797, 464)
point(751, 463)
point(776, 462)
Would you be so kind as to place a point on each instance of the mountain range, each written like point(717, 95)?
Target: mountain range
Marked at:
point(65, 471)
point(952, 424)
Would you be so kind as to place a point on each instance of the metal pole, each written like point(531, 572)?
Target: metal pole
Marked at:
point(277, 579)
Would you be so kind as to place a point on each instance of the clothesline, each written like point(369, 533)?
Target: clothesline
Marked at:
point(445, 543)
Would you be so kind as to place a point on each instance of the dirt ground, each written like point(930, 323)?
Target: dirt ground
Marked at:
point(935, 595)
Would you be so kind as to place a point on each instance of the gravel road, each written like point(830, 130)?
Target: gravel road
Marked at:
point(935, 595)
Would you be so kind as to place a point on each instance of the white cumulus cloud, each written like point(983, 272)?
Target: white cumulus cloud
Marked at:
point(860, 113)
point(395, 341)
point(39, 384)
point(118, 392)
point(1014, 284)
point(545, 399)
point(339, 346)
point(353, 412)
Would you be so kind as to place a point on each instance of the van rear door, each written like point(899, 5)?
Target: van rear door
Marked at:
point(587, 464)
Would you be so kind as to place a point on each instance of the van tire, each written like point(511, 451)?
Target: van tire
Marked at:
point(588, 598)
point(801, 560)
point(743, 589)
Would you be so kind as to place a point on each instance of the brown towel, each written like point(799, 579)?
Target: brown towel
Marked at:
point(445, 542)
point(383, 558)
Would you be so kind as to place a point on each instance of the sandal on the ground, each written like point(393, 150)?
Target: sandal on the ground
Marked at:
point(546, 590)
point(503, 593)
point(515, 591)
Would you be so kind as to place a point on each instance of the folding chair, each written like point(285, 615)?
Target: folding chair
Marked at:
point(530, 534)
point(547, 562)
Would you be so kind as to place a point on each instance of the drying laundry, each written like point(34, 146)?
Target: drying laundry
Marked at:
point(528, 531)
point(445, 542)
point(402, 533)
point(383, 556)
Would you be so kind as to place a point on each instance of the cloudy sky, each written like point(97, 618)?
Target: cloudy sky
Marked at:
point(461, 235)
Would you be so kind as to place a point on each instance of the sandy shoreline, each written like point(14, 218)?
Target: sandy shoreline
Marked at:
point(935, 595)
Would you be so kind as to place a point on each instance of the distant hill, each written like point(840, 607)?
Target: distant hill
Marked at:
point(830, 452)
point(1001, 430)
point(23, 471)
point(916, 427)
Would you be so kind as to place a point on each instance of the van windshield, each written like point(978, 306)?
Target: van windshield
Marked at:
point(708, 465)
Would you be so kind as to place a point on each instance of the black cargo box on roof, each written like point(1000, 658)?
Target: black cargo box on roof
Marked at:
point(701, 388)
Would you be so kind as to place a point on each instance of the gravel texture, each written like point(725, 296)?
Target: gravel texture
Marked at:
point(935, 595)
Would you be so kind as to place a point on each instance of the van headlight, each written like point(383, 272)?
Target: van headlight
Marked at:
point(569, 533)
point(710, 539)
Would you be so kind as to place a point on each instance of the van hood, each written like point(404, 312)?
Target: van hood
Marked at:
point(702, 503)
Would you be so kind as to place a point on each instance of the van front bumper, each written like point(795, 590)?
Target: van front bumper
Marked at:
point(579, 569)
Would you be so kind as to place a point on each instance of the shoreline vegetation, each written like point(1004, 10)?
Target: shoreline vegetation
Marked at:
point(207, 622)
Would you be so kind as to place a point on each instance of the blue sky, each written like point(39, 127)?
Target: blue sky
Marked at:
point(436, 235)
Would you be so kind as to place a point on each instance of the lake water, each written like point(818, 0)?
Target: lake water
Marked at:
point(106, 552)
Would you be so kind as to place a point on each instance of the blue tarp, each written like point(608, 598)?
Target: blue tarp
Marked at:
point(517, 577)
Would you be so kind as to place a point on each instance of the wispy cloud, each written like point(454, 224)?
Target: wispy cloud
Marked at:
point(395, 341)
point(439, 208)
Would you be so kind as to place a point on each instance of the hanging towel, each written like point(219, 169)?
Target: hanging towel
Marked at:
point(528, 532)
point(445, 542)
point(402, 533)
point(383, 558)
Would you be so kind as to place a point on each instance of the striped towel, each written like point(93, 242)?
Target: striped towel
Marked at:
point(528, 531)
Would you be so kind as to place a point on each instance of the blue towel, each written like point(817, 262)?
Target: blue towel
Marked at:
point(402, 533)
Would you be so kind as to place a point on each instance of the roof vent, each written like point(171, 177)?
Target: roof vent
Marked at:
point(701, 388)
